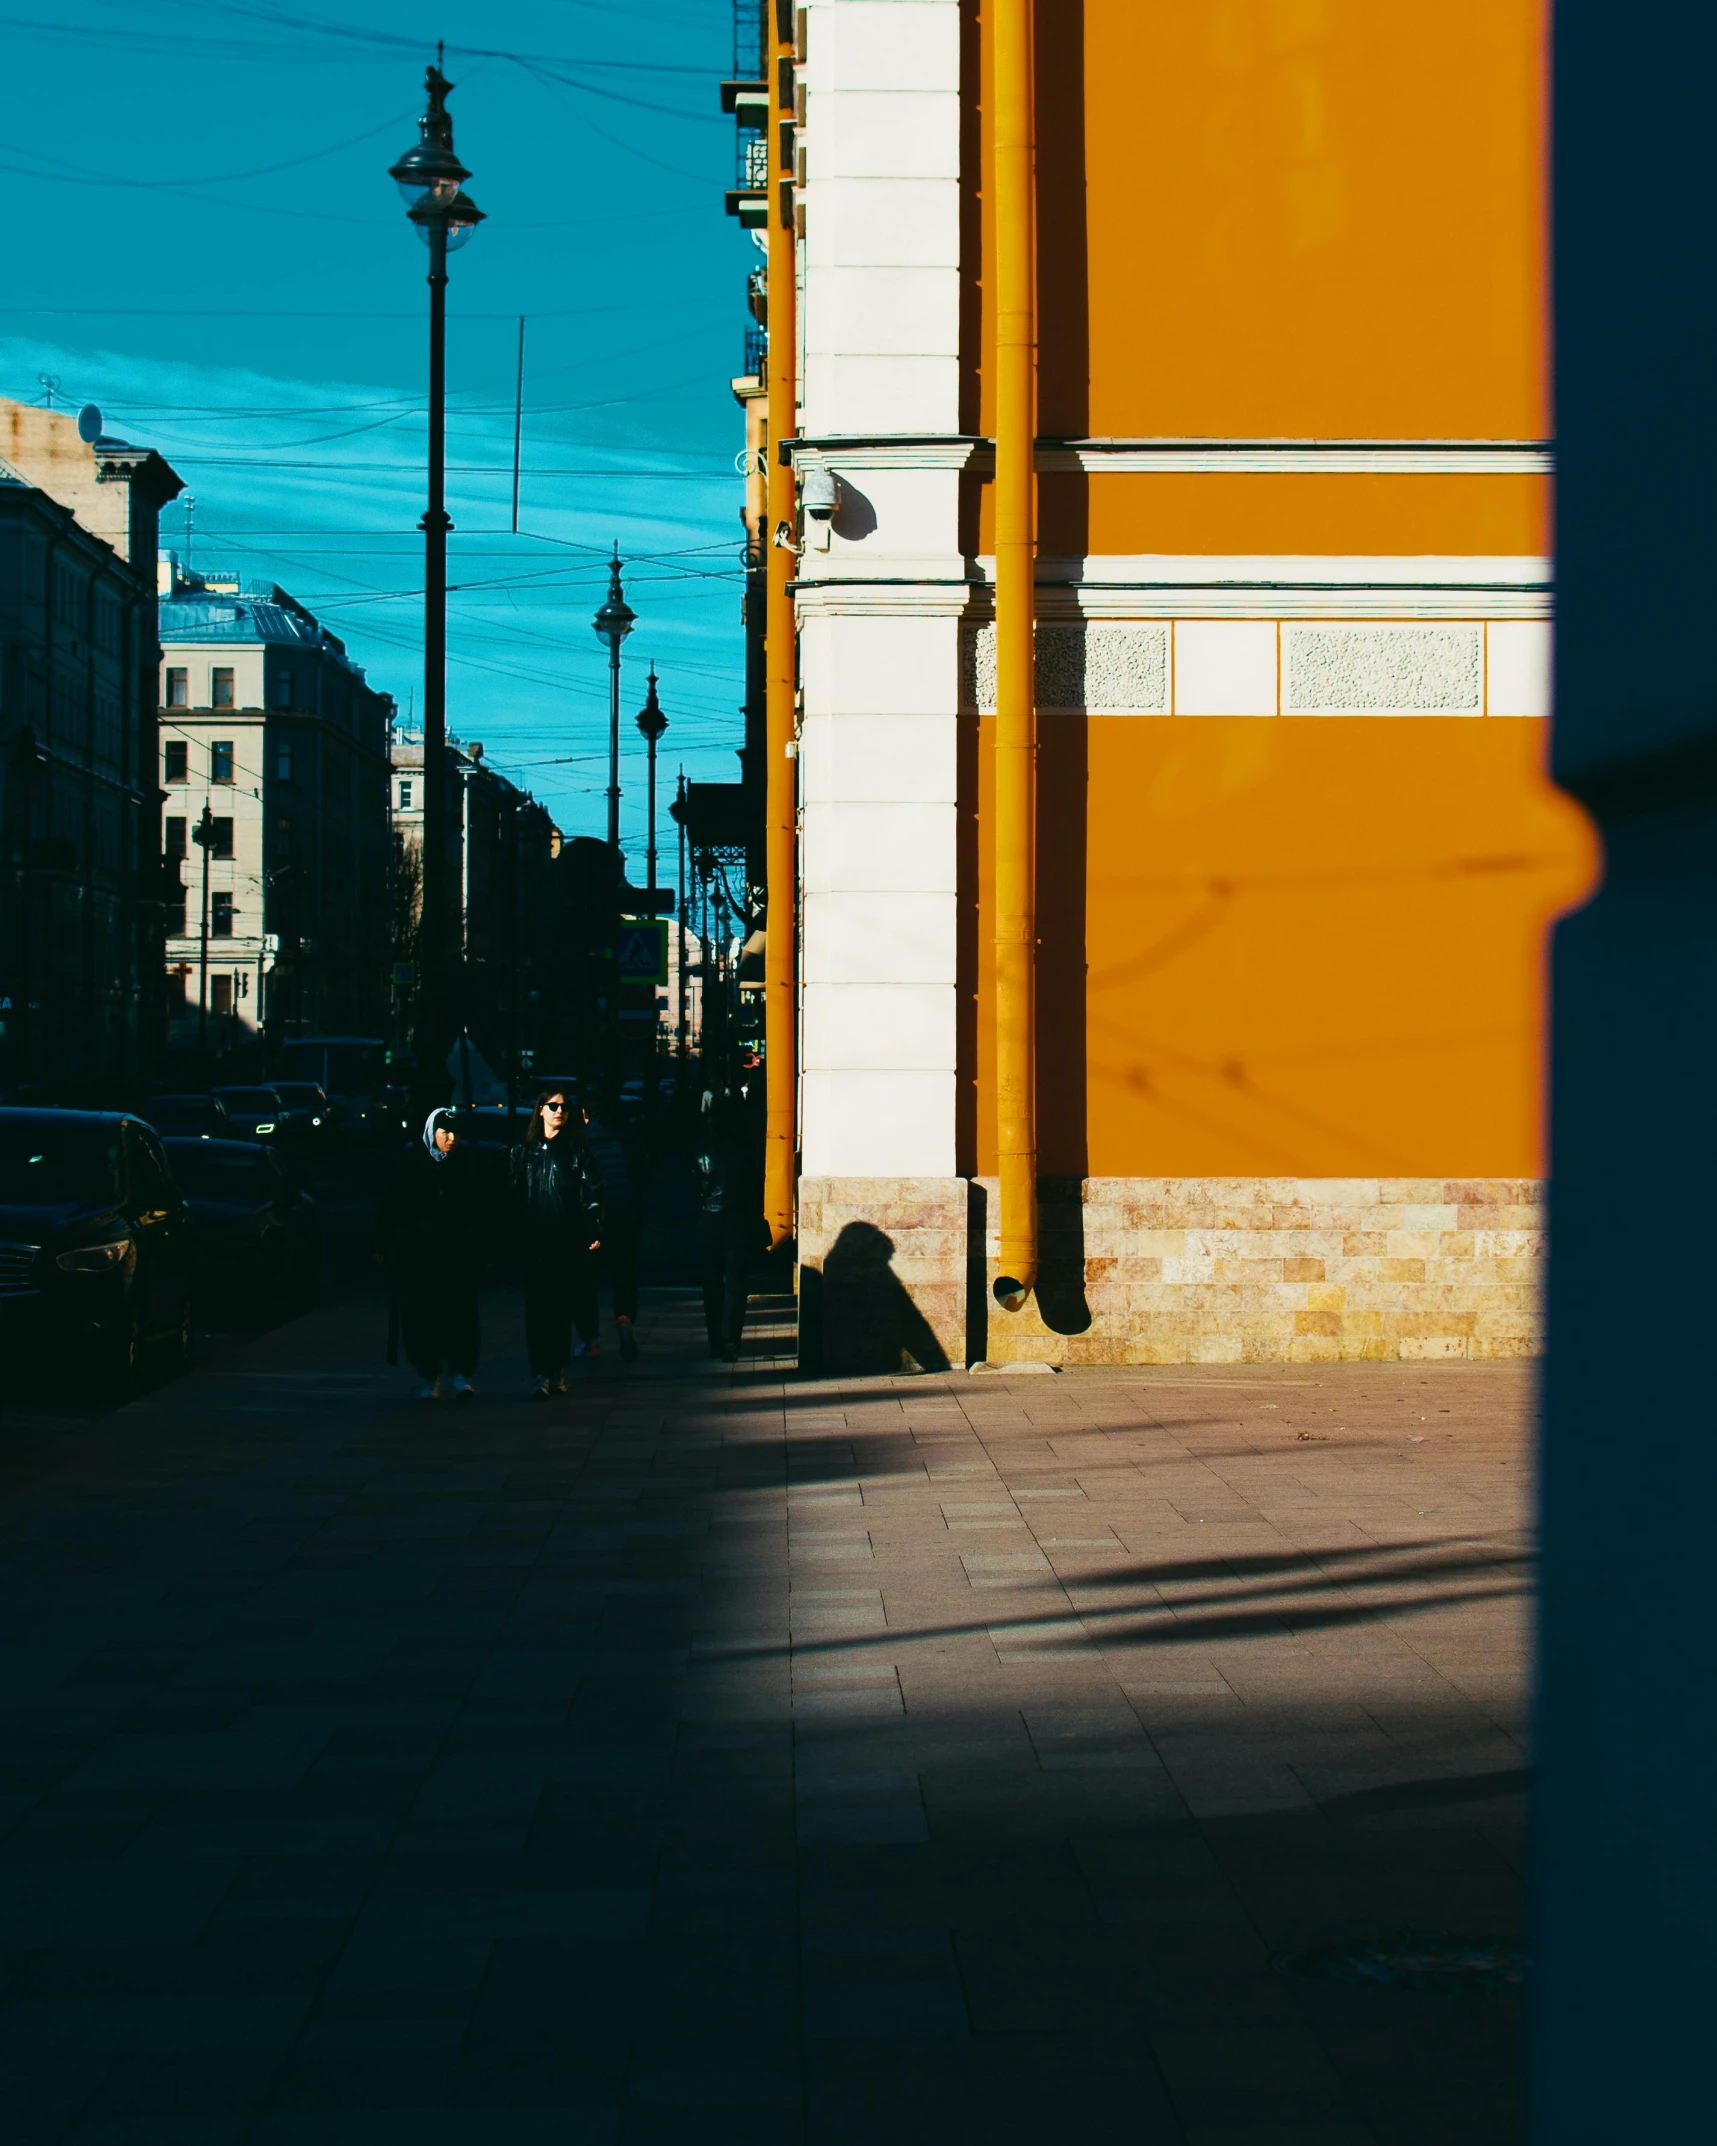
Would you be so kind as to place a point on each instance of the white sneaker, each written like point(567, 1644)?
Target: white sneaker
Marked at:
point(463, 1390)
point(431, 1392)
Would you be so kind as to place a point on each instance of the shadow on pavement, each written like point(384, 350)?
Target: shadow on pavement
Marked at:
point(703, 1760)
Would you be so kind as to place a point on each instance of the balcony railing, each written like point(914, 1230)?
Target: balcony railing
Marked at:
point(751, 161)
point(756, 352)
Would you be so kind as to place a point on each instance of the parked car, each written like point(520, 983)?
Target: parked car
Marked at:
point(309, 1114)
point(252, 1113)
point(194, 1117)
point(256, 1232)
point(95, 1243)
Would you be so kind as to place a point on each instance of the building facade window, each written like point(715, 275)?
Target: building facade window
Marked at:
point(220, 688)
point(405, 797)
point(71, 598)
point(173, 837)
point(220, 994)
point(176, 754)
point(223, 842)
point(283, 688)
point(178, 687)
point(220, 916)
point(283, 762)
point(221, 760)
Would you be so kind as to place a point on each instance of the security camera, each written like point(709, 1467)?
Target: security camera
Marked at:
point(820, 496)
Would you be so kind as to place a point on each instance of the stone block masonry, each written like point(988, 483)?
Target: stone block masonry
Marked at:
point(1176, 1270)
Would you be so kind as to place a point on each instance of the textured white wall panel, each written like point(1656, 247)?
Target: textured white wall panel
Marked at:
point(1103, 669)
point(1382, 670)
point(1225, 667)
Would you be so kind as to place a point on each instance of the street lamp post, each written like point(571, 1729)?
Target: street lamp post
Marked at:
point(203, 835)
point(430, 177)
point(652, 722)
point(612, 624)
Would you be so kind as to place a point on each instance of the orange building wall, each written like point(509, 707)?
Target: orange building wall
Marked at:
point(1314, 218)
point(1293, 946)
point(1308, 947)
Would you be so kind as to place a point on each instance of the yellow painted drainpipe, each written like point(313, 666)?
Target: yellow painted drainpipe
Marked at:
point(1016, 689)
point(781, 862)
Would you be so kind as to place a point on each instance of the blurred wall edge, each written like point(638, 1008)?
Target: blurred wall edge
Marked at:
point(1626, 1866)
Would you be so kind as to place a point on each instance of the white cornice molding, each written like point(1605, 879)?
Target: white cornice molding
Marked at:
point(1158, 587)
point(1284, 458)
point(1115, 457)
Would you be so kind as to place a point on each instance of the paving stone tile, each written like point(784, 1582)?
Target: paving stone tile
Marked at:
point(548, 1775)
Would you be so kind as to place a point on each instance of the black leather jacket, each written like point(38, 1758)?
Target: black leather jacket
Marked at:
point(556, 1192)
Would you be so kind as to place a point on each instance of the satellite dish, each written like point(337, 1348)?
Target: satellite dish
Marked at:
point(89, 424)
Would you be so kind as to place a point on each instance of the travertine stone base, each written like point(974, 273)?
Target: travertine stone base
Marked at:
point(1176, 1270)
point(883, 1272)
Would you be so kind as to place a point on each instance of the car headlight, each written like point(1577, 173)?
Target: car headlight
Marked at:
point(266, 1126)
point(315, 1121)
point(96, 1258)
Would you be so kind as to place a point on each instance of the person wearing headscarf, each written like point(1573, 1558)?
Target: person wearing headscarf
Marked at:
point(557, 1224)
point(433, 1236)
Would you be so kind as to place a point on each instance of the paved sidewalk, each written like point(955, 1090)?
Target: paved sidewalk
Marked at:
point(723, 1757)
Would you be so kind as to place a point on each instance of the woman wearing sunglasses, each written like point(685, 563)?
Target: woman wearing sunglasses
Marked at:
point(557, 1205)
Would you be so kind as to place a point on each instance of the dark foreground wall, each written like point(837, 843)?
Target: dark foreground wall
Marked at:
point(1626, 1861)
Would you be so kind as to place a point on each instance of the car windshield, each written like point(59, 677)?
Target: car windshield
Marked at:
point(47, 1165)
point(220, 1170)
point(301, 1094)
point(184, 1109)
point(249, 1098)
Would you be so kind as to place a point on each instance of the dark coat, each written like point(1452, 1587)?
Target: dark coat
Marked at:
point(436, 1217)
point(556, 1197)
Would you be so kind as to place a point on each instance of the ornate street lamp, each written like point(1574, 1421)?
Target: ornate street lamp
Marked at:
point(652, 722)
point(430, 178)
point(612, 624)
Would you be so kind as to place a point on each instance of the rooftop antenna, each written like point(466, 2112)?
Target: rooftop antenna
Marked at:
point(50, 387)
point(190, 510)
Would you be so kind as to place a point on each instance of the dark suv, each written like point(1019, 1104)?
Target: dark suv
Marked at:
point(95, 1242)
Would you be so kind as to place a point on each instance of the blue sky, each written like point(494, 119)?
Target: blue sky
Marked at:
point(204, 240)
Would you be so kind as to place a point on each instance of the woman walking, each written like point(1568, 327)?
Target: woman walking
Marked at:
point(557, 1209)
point(433, 1237)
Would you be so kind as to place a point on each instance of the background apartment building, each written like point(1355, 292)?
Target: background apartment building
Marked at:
point(1296, 852)
point(268, 725)
point(80, 943)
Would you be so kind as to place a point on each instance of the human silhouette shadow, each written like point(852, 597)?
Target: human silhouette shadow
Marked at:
point(857, 1316)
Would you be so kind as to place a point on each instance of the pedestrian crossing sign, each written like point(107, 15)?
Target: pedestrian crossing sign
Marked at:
point(641, 953)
